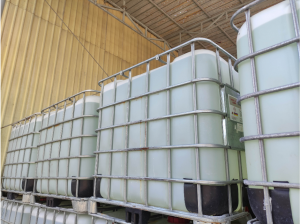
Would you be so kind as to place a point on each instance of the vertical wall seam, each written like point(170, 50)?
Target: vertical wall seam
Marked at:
point(22, 70)
point(64, 89)
point(55, 63)
point(4, 15)
point(3, 63)
point(39, 66)
point(15, 57)
point(48, 60)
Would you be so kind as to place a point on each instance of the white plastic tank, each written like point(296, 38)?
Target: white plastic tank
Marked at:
point(183, 165)
point(57, 217)
point(67, 151)
point(15, 212)
point(279, 110)
point(21, 155)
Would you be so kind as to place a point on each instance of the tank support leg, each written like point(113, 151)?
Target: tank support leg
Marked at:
point(92, 207)
point(136, 216)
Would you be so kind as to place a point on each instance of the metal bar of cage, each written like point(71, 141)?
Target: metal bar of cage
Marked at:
point(146, 134)
point(127, 134)
point(258, 121)
point(80, 136)
point(185, 215)
point(20, 139)
point(54, 209)
point(166, 88)
point(260, 137)
point(196, 146)
point(98, 139)
point(30, 152)
point(69, 143)
point(170, 51)
point(199, 195)
point(164, 117)
point(169, 132)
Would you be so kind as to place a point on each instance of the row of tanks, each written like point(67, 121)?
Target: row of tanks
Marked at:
point(192, 139)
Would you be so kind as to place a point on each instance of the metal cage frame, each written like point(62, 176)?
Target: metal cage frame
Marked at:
point(19, 124)
point(56, 107)
point(260, 137)
point(196, 146)
point(56, 209)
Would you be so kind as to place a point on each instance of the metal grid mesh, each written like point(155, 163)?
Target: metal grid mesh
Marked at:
point(260, 137)
point(20, 155)
point(50, 128)
point(196, 146)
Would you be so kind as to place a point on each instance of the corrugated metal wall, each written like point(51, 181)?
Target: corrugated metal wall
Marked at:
point(42, 62)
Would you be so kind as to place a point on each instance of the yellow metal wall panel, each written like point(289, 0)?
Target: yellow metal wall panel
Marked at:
point(42, 62)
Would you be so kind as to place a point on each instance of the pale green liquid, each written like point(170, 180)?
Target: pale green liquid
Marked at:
point(24, 155)
point(183, 164)
point(88, 145)
point(279, 111)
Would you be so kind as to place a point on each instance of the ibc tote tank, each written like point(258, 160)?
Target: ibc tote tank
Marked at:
point(145, 132)
point(19, 167)
point(15, 212)
point(68, 141)
point(279, 111)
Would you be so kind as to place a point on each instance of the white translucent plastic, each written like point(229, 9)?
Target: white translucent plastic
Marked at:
point(280, 110)
point(58, 217)
point(88, 146)
point(12, 212)
point(21, 170)
point(212, 161)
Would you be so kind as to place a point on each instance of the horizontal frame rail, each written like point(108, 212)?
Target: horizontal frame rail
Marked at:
point(66, 157)
point(29, 147)
point(164, 89)
point(185, 215)
point(165, 147)
point(170, 51)
point(272, 90)
point(69, 98)
point(30, 133)
point(165, 117)
point(72, 119)
point(267, 136)
point(271, 184)
point(202, 182)
point(7, 164)
point(60, 197)
point(63, 139)
point(265, 50)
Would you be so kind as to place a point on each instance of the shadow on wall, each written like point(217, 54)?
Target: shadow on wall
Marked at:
point(2, 6)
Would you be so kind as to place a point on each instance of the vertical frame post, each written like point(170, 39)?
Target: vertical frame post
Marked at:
point(127, 134)
point(38, 154)
point(112, 137)
point(240, 177)
point(59, 146)
point(98, 137)
point(224, 124)
point(80, 139)
point(169, 132)
point(196, 139)
point(70, 141)
point(50, 151)
point(230, 72)
point(146, 133)
point(30, 152)
point(258, 121)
